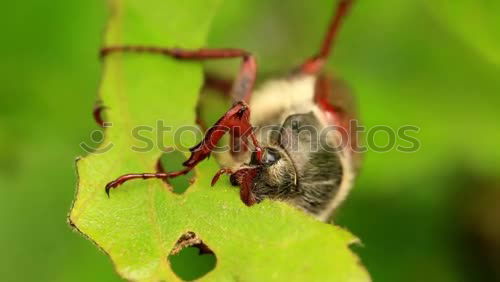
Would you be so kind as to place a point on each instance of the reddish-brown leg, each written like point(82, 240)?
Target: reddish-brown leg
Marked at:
point(124, 178)
point(242, 86)
point(315, 64)
point(236, 121)
point(219, 173)
point(244, 178)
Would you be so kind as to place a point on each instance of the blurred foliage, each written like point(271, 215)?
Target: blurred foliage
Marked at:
point(427, 63)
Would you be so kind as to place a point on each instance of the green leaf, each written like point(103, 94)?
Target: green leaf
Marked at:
point(139, 225)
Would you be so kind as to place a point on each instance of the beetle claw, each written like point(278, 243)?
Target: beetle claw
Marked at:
point(219, 173)
point(111, 185)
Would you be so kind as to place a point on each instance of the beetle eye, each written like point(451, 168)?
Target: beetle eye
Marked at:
point(270, 156)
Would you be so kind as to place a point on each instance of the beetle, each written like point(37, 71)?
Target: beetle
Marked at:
point(284, 150)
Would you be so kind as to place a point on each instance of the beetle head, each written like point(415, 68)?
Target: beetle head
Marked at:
point(297, 165)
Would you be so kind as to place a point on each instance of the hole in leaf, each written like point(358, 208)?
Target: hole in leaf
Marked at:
point(190, 258)
point(172, 161)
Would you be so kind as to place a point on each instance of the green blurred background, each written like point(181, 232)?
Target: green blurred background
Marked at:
point(433, 215)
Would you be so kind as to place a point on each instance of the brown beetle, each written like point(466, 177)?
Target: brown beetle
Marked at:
point(297, 146)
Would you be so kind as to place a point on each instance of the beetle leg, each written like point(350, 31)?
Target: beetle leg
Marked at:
point(236, 121)
point(161, 175)
point(219, 173)
point(245, 178)
point(222, 86)
point(242, 86)
point(315, 64)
